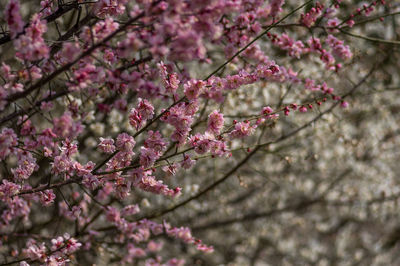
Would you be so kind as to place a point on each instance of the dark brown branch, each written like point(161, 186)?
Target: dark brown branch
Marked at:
point(37, 104)
point(43, 188)
point(71, 32)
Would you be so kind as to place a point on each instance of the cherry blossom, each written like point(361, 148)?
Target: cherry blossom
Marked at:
point(151, 132)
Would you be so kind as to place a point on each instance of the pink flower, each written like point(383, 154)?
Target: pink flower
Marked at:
point(205, 248)
point(154, 246)
point(327, 58)
point(350, 23)
point(113, 215)
point(175, 262)
point(125, 142)
point(5, 70)
point(26, 166)
point(46, 7)
point(149, 90)
point(332, 24)
point(134, 119)
point(14, 87)
point(179, 117)
point(82, 170)
point(135, 252)
point(163, 71)
point(47, 197)
point(121, 105)
point(65, 126)
point(187, 163)
point(193, 88)
point(275, 7)
point(109, 56)
point(155, 141)
point(99, 31)
point(148, 157)
point(70, 51)
point(61, 164)
point(170, 169)
point(173, 82)
point(106, 145)
point(267, 71)
point(85, 76)
point(46, 106)
point(57, 243)
point(266, 110)
point(185, 234)
point(218, 148)
point(201, 143)
point(309, 18)
point(182, 233)
point(137, 174)
point(72, 244)
point(8, 139)
point(303, 109)
point(188, 45)
point(8, 189)
point(69, 148)
point(13, 17)
point(130, 210)
point(35, 251)
point(310, 85)
point(315, 44)
point(76, 211)
point(233, 82)
point(242, 129)
point(180, 135)
point(28, 129)
point(145, 109)
point(141, 113)
point(170, 81)
point(90, 181)
point(31, 45)
point(104, 8)
point(215, 122)
point(150, 184)
point(339, 49)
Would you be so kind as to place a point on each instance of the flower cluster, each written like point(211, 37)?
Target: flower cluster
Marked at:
point(13, 17)
point(311, 16)
point(62, 247)
point(107, 145)
point(8, 139)
point(141, 113)
point(31, 45)
point(185, 234)
point(144, 180)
